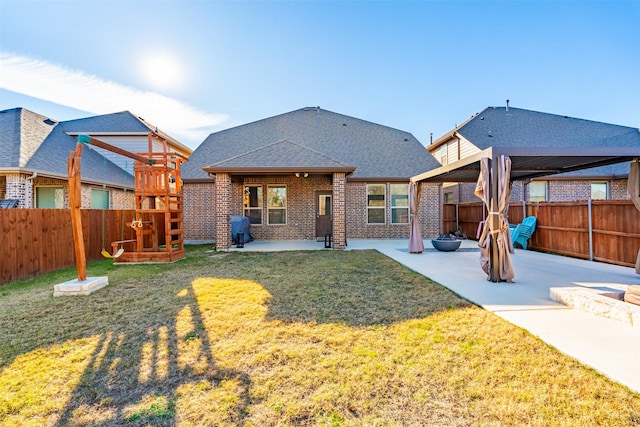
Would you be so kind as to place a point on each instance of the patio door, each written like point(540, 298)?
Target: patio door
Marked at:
point(324, 208)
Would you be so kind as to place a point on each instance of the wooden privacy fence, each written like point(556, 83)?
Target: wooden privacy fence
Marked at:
point(37, 241)
point(600, 230)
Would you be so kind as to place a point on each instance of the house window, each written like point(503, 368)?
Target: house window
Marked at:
point(538, 191)
point(399, 203)
point(375, 203)
point(253, 203)
point(50, 197)
point(99, 199)
point(599, 191)
point(443, 154)
point(277, 204)
point(448, 197)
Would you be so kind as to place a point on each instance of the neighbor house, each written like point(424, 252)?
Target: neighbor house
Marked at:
point(515, 127)
point(34, 151)
point(307, 174)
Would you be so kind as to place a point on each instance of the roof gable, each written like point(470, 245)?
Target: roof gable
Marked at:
point(51, 157)
point(35, 143)
point(22, 134)
point(374, 150)
point(122, 122)
point(280, 154)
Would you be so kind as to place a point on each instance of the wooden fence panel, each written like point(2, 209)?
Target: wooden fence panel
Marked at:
point(37, 241)
point(8, 249)
point(470, 216)
point(563, 228)
point(616, 231)
point(448, 217)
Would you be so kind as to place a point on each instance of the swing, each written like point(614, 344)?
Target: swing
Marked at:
point(120, 251)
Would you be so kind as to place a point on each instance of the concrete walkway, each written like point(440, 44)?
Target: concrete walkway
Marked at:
point(609, 346)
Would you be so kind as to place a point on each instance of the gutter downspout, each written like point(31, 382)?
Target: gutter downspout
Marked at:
point(31, 199)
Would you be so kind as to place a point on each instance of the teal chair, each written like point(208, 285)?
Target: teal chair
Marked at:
point(522, 232)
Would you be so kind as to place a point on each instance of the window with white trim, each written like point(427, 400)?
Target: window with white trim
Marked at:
point(376, 203)
point(276, 204)
point(443, 154)
point(399, 203)
point(538, 191)
point(99, 199)
point(50, 197)
point(253, 203)
point(599, 190)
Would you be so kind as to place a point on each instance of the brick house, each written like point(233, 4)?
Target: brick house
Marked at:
point(304, 173)
point(34, 151)
point(515, 127)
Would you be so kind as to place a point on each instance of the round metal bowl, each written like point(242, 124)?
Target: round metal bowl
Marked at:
point(446, 245)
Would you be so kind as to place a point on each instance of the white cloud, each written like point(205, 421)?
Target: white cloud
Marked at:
point(73, 88)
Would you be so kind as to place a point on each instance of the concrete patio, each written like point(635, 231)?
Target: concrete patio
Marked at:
point(610, 346)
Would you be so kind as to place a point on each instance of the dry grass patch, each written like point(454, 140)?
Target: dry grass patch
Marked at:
point(297, 338)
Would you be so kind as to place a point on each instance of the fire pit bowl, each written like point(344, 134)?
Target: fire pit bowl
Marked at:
point(446, 243)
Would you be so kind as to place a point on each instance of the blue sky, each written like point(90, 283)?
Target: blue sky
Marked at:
point(419, 66)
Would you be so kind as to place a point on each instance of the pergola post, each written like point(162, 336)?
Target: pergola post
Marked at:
point(494, 223)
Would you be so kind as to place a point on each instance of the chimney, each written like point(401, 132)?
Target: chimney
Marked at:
point(431, 138)
point(507, 106)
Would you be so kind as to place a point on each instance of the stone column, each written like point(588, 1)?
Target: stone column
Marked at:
point(339, 211)
point(223, 211)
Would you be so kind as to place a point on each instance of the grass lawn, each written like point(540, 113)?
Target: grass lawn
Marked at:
point(327, 338)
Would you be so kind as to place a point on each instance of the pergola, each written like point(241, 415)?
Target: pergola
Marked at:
point(499, 165)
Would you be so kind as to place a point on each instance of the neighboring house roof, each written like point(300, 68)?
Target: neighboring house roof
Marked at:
point(516, 127)
point(317, 138)
point(497, 127)
point(124, 122)
point(30, 142)
point(21, 134)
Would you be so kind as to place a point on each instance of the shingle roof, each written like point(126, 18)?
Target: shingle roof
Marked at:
point(280, 154)
point(375, 150)
point(22, 133)
point(123, 121)
point(497, 127)
point(33, 142)
point(53, 153)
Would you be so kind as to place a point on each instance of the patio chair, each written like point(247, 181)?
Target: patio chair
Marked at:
point(523, 231)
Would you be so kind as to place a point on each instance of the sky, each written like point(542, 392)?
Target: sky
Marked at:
point(193, 67)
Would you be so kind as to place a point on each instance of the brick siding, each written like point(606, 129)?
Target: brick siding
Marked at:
point(222, 209)
point(557, 190)
point(339, 211)
point(200, 210)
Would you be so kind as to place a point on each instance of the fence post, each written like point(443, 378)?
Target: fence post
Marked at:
point(589, 210)
point(457, 215)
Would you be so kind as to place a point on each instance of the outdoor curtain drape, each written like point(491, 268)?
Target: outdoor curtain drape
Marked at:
point(633, 185)
point(416, 246)
point(496, 226)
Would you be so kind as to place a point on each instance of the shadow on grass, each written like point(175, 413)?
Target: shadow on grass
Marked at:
point(136, 375)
